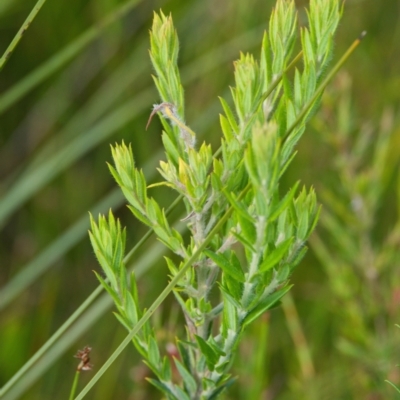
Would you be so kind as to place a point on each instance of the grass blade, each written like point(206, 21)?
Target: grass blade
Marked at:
point(62, 57)
point(10, 49)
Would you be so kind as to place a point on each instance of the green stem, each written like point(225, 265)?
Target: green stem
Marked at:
point(61, 58)
point(390, 383)
point(43, 350)
point(325, 83)
point(160, 298)
point(275, 83)
point(74, 385)
point(20, 33)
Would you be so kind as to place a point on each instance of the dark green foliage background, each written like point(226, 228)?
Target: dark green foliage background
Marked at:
point(211, 35)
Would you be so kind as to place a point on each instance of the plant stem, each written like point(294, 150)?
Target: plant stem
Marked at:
point(63, 57)
point(325, 83)
point(74, 385)
point(20, 33)
point(43, 350)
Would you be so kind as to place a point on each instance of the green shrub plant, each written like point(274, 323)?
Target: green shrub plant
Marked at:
point(245, 236)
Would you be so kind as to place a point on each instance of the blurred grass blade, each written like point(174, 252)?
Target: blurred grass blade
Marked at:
point(43, 261)
point(30, 183)
point(98, 105)
point(26, 376)
point(101, 102)
point(5, 5)
point(7, 54)
point(33, 180)
point(62, 57)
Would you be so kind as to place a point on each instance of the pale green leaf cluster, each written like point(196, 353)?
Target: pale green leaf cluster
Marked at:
point(251, 257)
point(108, 242)
point(145, 209)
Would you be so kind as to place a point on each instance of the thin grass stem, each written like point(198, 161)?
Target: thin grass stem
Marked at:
point(392, 384)
point(10, 49)
point(59, 340)
point(325, 83)
point(62, 57)
point(74, 385)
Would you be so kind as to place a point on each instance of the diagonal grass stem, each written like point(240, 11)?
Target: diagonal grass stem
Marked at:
point(81, 309)
point(14, 43)
point(62, 57)
point(168, 289)
point(325, 83)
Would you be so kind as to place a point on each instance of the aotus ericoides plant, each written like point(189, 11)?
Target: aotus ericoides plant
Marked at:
point(245, 236)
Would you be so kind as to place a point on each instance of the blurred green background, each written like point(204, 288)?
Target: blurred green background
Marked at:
point(81, 79)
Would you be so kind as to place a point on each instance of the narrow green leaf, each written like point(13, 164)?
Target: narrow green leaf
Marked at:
point(266, 304)
point(123, 321)
point(226, 128)
point(226, 292)
point(163, 388)
point(170, 149)
point(275, 256)
point(153, 351)
point(166, 371)
point(188, 380)
point(229, 115)
point(229, 317)
point(180, 394)
point(130, 308)
point(238, 206)
point(216, 393)
point(216, 347)
point(184, 353)
point(298, 256)
point(284, 203)
point(244, 241)
point(208, 352)
point(140, 216)
point(232, 269)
